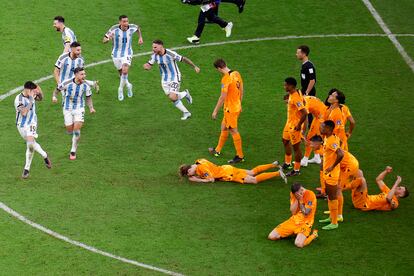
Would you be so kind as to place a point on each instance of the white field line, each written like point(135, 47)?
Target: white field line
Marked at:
point(389, 34)
point(82, 245)
point(18, 89)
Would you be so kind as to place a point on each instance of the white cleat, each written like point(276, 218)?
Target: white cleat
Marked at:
point(315, 160)
point(304, 162)
point(228, 29)
point(120, 95)
point(276, 163)
point(186, 115)
point(194, 39)
point(283, 175)
point(130, 93)
point(188, 97)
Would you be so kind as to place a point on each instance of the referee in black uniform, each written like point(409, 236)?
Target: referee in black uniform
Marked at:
point(307, 72)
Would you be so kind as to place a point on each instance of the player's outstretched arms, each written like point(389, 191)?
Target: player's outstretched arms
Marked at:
point(189, 62)
point(200, 180)
point(391, 193)
point(38, 94)
point(381, 176)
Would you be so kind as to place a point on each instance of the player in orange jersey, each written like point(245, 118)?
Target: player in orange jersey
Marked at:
point(205, 171)
point(317, 108)
point(303, 207)
point(385, 201)
point(339, 113)
point(296, 116)
point(231, 98)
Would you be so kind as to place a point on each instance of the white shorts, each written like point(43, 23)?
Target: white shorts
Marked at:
point(72, 116)
point(118, 62)
point(28, 130)
point(170, 87)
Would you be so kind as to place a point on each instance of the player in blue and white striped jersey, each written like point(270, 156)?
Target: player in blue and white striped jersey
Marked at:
point(26, 122)
point(68, 36)
point(171, 75)
point(121, 36)
point(76, 93)
point(66, 64)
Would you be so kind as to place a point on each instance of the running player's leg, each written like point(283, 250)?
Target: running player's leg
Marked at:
point(237, 141)
point(29, 155)
point(75, 138)
point(224, 134)
point(124, 76)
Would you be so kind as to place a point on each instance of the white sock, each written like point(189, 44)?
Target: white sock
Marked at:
point(178, 104)
point(316, 156)
point(39, 149)
point(181, 95)
point(122, 82)
point(29, 155)
point(90, 83)
point(305, 158)
point(75, 140)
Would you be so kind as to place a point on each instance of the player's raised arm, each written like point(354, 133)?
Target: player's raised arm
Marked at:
point(294, 204)
point(38, 94)
point(189, 62)
point(25, 109)
point(391, 193)
point(139, 33)
point(381, 176)
point(108, 36)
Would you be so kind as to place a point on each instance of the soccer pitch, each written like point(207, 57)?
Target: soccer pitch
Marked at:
point(123, 195)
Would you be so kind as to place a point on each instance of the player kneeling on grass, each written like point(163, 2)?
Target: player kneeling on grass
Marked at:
point(26, 122)
point(205, 171)
point(74, 92)
point(303, 209)
point(171, 75)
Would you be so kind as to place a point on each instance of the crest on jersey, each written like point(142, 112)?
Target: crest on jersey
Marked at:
point(310, 202)
point(222, 85)
point(298, 104)
point(334, 146)
point(206, 174)
point(338, 122)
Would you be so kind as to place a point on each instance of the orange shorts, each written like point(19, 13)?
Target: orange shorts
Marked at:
point(314, 129)
point(360, 199)
point(230, 119)
point(289, 227)
point(333, 177)
point(347, 175)
point(290, 134)
point(234, 174)
point(344, 141)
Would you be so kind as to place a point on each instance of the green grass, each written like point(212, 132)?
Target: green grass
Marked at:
point(123, 195)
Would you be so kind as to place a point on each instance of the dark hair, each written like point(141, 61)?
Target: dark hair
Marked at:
point(295, 187)
point(330, 124)
point(183, 171)
point(78, 69)
point(220, 63)
point(60, 19)
point(305, 49)
point(406, 193)
point(75, 44)
point(316, 138)
point(340, 97)
point(158, 41)
point(291, 81)
point(122, 17)
point(30, 85)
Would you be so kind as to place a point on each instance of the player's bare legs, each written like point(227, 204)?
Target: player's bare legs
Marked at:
point(288, 154)
point(274, 235)
point(31, 147)
point(123, 74)
point(75, 139)
point(302, 241)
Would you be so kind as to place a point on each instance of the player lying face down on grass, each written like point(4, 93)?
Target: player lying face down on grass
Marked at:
point(205, 171)
point(303, 208)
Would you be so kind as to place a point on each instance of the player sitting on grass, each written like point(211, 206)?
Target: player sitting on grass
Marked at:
point(205, 171)
point(303, 209)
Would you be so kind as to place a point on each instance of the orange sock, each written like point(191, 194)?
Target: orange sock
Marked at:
point(333, 209)
point(288, 159)
point(222, 140)
point(238, 144)
point(308, 151)
point(340, 204)
point(296, 167)
point(319, 151)
point(262, 168)
point(322, 181)
point(265, 176)
point(310, 239)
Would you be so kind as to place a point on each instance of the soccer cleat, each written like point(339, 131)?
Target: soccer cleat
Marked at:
point(283, 175)
point(330, 226)
point(325, 220)
point(236, 159)
point(48, 163)
point(188, 97)
point(96, 86)
point(194, 39)
point(130, 93)
point(287, 166)
point(304, 162)
point(315, 160)
point(228, 28)
point(241, 6)
point(120, 94)
point(293, 173)
point(340, 217)
point(25, 174)
point(327, 212)
point(213, 151)
point(186, 115)
point(72, 156)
